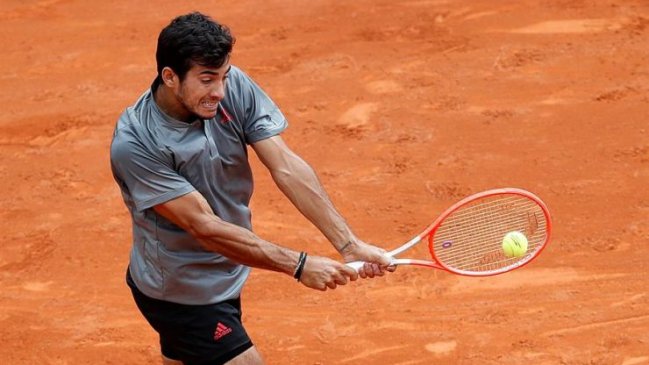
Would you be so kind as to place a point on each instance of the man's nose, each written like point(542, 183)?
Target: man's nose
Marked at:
point(218, 91)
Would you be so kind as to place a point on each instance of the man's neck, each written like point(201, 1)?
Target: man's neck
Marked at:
point(167, 102)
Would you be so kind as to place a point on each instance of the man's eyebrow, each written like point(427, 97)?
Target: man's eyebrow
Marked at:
point(210, 72)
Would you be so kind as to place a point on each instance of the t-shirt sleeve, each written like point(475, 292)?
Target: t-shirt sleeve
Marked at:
point(260, 116)
point(147, 179)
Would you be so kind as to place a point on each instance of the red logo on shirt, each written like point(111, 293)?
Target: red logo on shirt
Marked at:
point(225, 114)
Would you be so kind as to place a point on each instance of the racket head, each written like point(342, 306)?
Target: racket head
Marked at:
point(467, 238)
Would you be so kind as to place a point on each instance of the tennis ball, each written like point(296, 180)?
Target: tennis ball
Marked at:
point(514, 244)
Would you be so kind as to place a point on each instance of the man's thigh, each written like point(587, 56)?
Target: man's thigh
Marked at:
point(249, 357)
point(168, 361)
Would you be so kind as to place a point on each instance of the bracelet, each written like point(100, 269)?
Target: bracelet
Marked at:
point(345, 246)
point(300, 266)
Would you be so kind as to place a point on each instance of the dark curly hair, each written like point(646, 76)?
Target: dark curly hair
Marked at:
point(190, 39)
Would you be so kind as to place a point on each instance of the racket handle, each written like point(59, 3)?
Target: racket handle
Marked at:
point(356, 265)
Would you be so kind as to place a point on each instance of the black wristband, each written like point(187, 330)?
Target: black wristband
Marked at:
point(300, 266)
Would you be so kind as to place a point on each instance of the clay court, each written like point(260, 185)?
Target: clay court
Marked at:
point(403, 108)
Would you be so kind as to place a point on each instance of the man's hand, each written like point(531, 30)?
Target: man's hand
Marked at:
point(322, 273)
point(376, 260)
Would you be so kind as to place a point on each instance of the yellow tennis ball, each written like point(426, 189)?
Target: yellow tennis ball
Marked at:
point(514, 244)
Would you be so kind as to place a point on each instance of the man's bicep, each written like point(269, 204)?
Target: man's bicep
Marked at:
point(289, 171)
point(274, 153)
point(187, 211)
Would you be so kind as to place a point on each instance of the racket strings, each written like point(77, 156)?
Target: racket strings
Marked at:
point(470, 239)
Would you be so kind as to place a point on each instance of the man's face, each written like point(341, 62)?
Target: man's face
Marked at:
point(202, 90)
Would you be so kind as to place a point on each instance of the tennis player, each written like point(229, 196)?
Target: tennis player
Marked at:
point(180, 158)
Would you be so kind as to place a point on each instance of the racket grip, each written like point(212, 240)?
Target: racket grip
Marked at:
point(356, 265)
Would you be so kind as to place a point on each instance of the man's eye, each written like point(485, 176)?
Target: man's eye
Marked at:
point(206, 81)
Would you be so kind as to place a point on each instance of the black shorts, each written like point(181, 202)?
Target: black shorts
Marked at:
point(195, 334)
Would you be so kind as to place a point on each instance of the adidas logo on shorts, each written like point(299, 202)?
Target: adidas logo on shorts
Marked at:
point(221, 330)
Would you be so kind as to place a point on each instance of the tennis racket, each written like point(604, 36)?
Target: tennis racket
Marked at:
point(467, 239)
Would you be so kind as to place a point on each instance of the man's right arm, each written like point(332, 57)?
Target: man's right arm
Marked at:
point(192, 213)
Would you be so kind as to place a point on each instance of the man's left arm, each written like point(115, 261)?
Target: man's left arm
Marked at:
point(299, 182)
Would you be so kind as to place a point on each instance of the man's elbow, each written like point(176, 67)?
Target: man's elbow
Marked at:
point(204, 227)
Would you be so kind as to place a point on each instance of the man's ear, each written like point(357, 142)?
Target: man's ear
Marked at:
point(169, 77)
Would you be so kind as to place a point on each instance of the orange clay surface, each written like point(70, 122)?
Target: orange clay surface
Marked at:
point(403, 107)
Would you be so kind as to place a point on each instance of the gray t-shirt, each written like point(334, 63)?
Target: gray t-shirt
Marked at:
point(155, 158)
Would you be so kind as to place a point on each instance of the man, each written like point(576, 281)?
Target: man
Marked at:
point(179, 155)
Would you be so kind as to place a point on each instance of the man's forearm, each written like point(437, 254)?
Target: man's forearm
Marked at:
point(299, 182)
point(244, 247)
